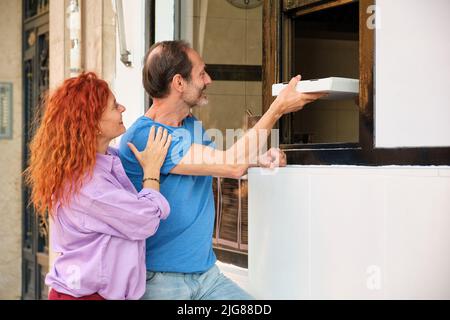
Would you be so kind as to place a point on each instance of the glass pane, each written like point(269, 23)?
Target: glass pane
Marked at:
point(225, 35)
point(229, 39)
point(326, 44)
point(35, 7)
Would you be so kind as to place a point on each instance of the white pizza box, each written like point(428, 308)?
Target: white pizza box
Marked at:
point(337, 88)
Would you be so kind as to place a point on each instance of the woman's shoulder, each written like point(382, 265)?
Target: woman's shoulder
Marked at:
point(96, 184)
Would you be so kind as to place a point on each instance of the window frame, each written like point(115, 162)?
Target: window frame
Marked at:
point(277, 51)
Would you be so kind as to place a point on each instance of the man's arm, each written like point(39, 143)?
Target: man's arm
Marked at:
point(234, 162)
point(274, 157)
point(225, 171)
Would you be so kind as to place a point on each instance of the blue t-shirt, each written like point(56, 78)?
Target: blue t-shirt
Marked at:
point(183, 242)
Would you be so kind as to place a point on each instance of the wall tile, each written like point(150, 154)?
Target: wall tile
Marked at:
point(253, 88)
point(255, 13)
point(222, 9)
point(347, 126)
point(344, 255)
point(254, 104)
point(254, 42)
point(323, 125)
point(226, 88)
point(417, 228)
point(222, 112)
point(231, 47)
point(280, 236)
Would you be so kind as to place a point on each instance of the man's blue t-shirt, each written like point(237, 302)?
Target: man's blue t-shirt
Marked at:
point(183, 242)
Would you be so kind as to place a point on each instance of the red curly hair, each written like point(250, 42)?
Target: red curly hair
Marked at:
point(63, 150)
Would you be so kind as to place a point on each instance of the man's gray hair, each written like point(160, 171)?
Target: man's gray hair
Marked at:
point(162, 62)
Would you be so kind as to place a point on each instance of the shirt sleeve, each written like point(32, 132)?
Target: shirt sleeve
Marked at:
point(182, 140)
point(123, 214)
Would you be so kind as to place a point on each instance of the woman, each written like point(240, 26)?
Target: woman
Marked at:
point(100, 222)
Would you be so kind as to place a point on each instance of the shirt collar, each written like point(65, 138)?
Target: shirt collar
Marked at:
point(105, 161)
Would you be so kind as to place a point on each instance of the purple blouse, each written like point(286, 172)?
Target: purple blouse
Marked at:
point(100, 236)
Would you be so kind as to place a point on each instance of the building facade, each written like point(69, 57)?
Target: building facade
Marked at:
point(247, 46)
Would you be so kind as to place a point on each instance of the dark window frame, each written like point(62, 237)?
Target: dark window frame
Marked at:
point(149, 38)
point(277, 50)
point(35, 255)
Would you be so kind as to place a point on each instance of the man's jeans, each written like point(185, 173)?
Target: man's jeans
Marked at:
point(209, 285)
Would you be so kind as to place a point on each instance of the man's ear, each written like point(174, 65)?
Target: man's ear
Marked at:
point(178, 83)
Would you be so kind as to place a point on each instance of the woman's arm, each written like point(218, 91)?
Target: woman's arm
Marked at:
point(123, 214)
point(119, 212)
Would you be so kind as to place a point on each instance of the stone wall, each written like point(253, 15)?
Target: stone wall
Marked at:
point(11, 153)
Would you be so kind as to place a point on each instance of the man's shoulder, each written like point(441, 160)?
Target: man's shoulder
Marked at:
point(136, 132)
point(140, 124)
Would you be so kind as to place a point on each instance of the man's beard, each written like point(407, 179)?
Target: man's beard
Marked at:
point(198, 99)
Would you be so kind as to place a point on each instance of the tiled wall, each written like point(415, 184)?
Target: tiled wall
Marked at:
point(328, 121)
point(224, 34)
point(228, 101)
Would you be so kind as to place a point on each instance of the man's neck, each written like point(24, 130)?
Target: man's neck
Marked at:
point(165, 111)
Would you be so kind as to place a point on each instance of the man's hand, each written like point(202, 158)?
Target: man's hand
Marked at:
point(290, 100)
point(273, 158)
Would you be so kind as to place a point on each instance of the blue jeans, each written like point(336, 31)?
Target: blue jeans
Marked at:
point(209, 285)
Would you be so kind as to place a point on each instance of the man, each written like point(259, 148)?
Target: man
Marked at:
point(180, 259)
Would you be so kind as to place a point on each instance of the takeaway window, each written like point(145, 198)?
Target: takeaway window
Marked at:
point(322, 42)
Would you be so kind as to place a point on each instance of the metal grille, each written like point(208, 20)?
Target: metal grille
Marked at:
point(35, 84)
point(33, 8)
point(231, 224)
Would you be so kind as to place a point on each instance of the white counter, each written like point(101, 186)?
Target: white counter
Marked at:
point(338, 232)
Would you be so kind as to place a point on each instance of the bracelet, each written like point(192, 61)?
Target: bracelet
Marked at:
point(154, 179)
